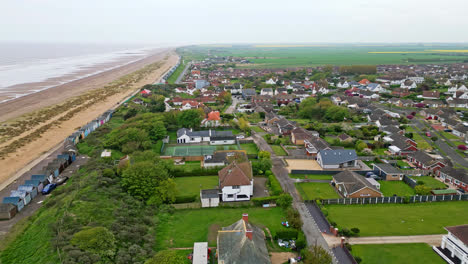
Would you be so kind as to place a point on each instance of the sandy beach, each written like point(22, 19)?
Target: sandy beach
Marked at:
point(15, 109)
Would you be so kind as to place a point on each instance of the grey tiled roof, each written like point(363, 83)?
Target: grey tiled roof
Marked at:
point(333, 157)
point(352, 181)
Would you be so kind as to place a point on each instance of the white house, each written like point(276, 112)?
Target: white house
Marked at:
point(271, 81)
point(344, 85)
point(267, 91)
point(336, 159)
point(185, 136)
point(374, 87)
point(236, 182)
point(454, 247)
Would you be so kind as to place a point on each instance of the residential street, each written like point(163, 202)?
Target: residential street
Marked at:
point(310, 228)
point(232, 107)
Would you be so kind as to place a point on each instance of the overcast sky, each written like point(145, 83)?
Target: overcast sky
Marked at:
point(233, 21)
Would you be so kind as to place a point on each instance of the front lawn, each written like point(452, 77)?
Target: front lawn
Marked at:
point(188, 186)
point(380, 151)
point(185, 227)
point(400, 188)
point(257, 129)
point(430, 181)
point(312, 176)
point(251, 148)
point(399, 219)
point(279, 151)
point(403, 165)
point(316, 190)
point(417, 253)
point(188, 166)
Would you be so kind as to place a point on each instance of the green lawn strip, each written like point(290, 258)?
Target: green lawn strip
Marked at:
point(399, 219)
point(312, 176)
point(279, 150)
point(417, 253)
point(176, 73)
point(192, 185)
point(403, 165)
point(251, 148)
point(316, 190)
point(189, 166)
point(185, 227)
point(380, 151)
point(449, 135)
point(172, 136)
point(430, 181)
point(257, 129)
point(400, 188)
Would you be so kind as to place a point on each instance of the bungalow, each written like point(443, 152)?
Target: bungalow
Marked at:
point(314, 145)
point(267, 91)
point(190, 104)
point(285, 126)
point(242, 242)
point(431, 95)
point(408, 84)
point(374, 87)
point(233, 89)
point(343, 85)
point(236, 182)
point(185, 135)
point(352, 185)
point(387, 172)
point(423, 161)
point(454, 246)
point(281, 91)
point(248, 93)
point(345, 138)
point(222, 158)
point(213, 119)
point(271, 81)
point(457, 177)
point(364, 82)
point(299, 134)
point(337, 159)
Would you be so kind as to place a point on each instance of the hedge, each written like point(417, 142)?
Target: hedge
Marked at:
point(185, 199)
point(273, 183)
point(264, 200)
point(287, 234)
point(195, 172)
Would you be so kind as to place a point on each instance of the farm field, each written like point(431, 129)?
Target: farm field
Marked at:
point(251, 148)
point(316, 190)
point(400, 188)
point(279, 151)
point(311, 176)
point(185, 227)
point(271, 56)
point(417, 253)
point(430, 181)
point(399, 219)
point(188, 186)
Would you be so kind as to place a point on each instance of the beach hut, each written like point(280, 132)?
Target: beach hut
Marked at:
point(40, 177)
point(7, 211)
point(63, 161)
point(22, 194)
point(67, 157)
point(16, 201)
point(31, 189)
point(36, 183)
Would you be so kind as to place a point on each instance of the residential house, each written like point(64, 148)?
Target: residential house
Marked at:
point(271, 81)
point(457, 177)
point(267, 91)
point(345, 138)
point(285, 126)
point(364, 82)
point(431, 95)
point(236, 182)
point(388, 172)
point(248, 93)
point(299, 134)
point(213, 119)
point(214, 137)
point(408, 84)
point(374, 87)
point(423, 161)
point(284, 99)
point(199, 84)
point(314, 145)
point(190, 104)
point(401, 145)
point(352, 185)
point(261, 98)
point(343, 85)
point(242, 242)
point(222, 158)
point(337, 159)
point(281, 91)
point(454, 246)
point(145, 92)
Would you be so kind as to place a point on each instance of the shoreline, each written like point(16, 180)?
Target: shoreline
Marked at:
point(17, 162)
point(17, 107)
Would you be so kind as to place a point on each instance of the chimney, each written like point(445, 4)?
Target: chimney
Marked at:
point(249, 234)
point(245, 217)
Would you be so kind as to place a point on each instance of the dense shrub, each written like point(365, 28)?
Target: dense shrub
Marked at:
point(185, 199)
point(273, 184)
point(264, 200)
point(287, 234)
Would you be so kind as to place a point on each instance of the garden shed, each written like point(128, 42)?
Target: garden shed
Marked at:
point(24, 195)
point(7, 211)
point(36, 183)
point(15, 200)
point(28, 188)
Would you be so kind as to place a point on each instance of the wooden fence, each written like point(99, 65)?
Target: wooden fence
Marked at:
point(397, 199)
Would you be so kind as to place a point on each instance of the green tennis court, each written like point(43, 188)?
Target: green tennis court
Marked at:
point(196, 150)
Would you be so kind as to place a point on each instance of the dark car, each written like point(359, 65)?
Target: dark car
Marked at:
point(60, 180)
point(49, 187)
point(461, 190)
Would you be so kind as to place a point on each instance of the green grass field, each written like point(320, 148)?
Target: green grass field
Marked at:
point(185, 227)
point(430, 181)
point(449, 135)
point(422, 143)
point(316, 190)
point(251, 148)
point(271, 56)
point(257, 129)
point(176, 73)
point(399, 219)
point(279, 151)
point(189, 166)
point(417, 253)
point(400, 188)
point(192, 185)
point(312, 176)
point(191, 150)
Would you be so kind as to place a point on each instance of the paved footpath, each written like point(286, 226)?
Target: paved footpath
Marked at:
point(433, 240)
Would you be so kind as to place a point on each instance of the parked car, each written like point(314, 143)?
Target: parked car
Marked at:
point(49, 188)
point(240, 137)
point(461, 190)
point(60, 180)
point(428, 134)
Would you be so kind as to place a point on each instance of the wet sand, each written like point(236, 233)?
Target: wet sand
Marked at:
point(28, 103)
point(13, 165)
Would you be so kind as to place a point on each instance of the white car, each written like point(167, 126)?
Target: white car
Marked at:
point(240, 137)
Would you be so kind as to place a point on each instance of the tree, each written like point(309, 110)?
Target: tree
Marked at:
point(316, 255)
point(97, 240)
point(264, 154)
point(142, 179)
point(434, 138)
point(166, 256)
point(165, 193)
point(227, 98)
point(294, 218)
point(243, 124)
point(360, 146)
point(284, 200)
point(190, 118)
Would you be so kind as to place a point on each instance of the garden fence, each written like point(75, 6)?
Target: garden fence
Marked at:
point(412, 183)
point(397, 199)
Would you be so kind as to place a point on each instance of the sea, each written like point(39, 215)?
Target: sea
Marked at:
point(27, 68)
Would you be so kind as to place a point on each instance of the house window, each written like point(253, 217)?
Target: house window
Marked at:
point(365, 194)
point(192, 139)
point(230, 196)
point(236, 187)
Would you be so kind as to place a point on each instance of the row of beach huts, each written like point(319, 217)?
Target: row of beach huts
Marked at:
point(49, 177)
point(170, 72)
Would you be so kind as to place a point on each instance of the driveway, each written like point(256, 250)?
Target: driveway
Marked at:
point(260, 187)
point(232, 107)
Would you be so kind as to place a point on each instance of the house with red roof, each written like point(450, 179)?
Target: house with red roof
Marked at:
point(364, 82)
point(213, 119)
point(190, 104)
point(145, 92)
